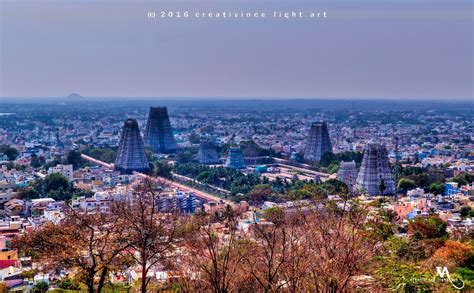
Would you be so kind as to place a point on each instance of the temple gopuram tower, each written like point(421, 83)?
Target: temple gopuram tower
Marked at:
point(235, 159)
point(318, 142)
point(207, 153)
point(158, 132)
point(375, 176)
point(348, 174)
point(131, 151)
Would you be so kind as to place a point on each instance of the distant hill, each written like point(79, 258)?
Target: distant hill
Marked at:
point(74, 96)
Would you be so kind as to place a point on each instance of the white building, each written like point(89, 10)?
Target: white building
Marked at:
point(65, 170)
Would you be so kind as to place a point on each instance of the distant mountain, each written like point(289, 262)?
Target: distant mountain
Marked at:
point(74, 96)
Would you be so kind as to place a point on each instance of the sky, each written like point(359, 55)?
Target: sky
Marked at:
point(381, 49)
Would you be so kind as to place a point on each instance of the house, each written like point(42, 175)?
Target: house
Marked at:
point(11, 276)
point(39, 205)
point(451, 188)
point(8, 258)
point(14, 207)
point(65, 170)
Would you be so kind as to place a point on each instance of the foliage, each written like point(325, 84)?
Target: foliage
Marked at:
point(184, 156)
point(194, 138)
point(225, 178)
point(317, 190)
point(464, 178)
point(329, 158)
point(260, 193)
point(406, 184)
point(436, 188)
point(74, 158)
point(162, 169)
point(423, 177)
point(89, 243)
point(11, 152)
point(453, 252)
point(54, 185)
point(274, 214)
point(402, 277)
point(332, 168)
point(428, 228)
point(40, 287)
point(36, 161)
point(149, 235)
point(105, 154)
point(466, 212)
point(68, 284)
point(307, 251)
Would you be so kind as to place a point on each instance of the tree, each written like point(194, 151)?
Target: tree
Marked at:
point(212, 260)
point(11, 152)
point(89, 243)
point(464, 211)
point(106, 154)
point(260, 193)
point(56, 181)
point(453, 253)
point(428, 228)
point(74, 158)
point(184, 157)
point(68, 284)
point(278, 256)
point(328, 158)
point(436, 188)
point(406, 184)
point(150, 234)
point(162, 169)
point(40, 287)
point(464, 178)
point(194, 138)
point(55, 185)
point(382, 186)
point(340, 248)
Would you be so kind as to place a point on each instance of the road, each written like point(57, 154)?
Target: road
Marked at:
point(198, 193)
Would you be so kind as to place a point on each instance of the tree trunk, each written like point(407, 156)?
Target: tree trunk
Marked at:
point(90, 287)
point(103, 276)
point(90, 283)
point(144, 282)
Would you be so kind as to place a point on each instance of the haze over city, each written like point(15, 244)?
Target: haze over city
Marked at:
point(364, 49)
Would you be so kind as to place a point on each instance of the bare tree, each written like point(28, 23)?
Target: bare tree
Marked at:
point(268, 255)
point(151, 235)
point(279, 255)
point(340, 248)
point(213, 254)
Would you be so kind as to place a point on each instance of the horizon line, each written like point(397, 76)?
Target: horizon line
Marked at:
point(233, 98)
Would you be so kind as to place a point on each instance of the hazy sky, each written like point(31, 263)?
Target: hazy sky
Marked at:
point(368, 49)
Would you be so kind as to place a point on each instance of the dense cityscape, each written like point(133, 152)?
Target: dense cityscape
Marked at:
point(244, 195)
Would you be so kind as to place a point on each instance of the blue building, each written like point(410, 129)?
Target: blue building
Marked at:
point(451, 188)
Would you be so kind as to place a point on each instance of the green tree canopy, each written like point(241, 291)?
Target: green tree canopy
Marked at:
point(11, 152)
point(406, 184)
point(74, 158)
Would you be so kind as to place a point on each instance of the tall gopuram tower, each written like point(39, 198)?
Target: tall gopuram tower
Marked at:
point(318, 142)
point(207, 153)
point(348, 174)
point(158, 132)
point(375, 176)
point(131, 151)
point(235, 159)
